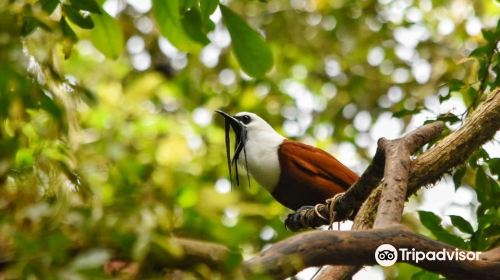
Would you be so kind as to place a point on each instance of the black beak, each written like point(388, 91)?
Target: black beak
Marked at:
point(240, 132)
point(230, 120)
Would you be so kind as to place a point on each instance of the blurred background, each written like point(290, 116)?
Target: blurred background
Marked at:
point(109, 145)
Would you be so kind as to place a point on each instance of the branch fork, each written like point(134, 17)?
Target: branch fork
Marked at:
point(377, 201)
point(392, 164)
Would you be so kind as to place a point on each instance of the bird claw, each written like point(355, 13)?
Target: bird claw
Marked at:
point(292, 221)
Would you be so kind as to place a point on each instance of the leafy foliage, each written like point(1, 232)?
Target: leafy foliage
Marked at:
point(107, 36)
point(108, 145)
point(250, 48)
point(433, 223)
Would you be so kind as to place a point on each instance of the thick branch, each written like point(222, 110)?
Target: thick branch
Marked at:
point(316, 248)
point(450, 152)
point(396, 171)
point(398, 151)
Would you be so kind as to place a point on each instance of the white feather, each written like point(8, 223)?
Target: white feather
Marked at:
point(262, 151)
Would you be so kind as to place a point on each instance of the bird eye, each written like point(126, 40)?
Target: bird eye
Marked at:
point(246, 119)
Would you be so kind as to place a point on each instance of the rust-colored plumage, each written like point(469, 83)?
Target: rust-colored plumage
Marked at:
point(309, 175)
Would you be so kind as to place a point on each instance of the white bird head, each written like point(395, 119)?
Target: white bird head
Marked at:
point(255, 125)
point(256, 144)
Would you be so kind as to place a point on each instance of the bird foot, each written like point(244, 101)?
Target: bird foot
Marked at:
point(293, 220)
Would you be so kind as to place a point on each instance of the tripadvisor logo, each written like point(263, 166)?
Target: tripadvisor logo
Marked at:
point(387, 255)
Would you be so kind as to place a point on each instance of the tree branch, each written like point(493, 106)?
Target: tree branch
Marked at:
point(396, 171)
point(316, 248)
point(450, 152)
point(398, 152)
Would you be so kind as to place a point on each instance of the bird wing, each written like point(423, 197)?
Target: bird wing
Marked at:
point(319, 169)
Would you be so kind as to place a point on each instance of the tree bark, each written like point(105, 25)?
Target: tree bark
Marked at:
point(316, 248)
point(429, 167)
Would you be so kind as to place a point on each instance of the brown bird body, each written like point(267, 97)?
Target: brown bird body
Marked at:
point(309, 175)
point(295, 174)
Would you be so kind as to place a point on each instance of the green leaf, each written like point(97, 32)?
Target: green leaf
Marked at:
point(87, 5)
point(462, 224)
point(495, 189)
point(252, 52)
point(49, 105)
point(192, 25)
point(448, 117)
point(455, 85)
point(476, 156)
point(58, 244)
point(433, 223)
point(482, 187)
point(494, 165)
point(66, 29)
point(207, 8)
point(478, 52)
point(481, 178)
point(470, 96)
point(49, 5)
point(24, 158)
point(430, 220)
point(458, 175)
point(496, 68)
point(107, 36)
point(29, 25)
point(67, 43)
point(484, 221)
point(169, 22)
point(75, 16)
point(406, 112)
point(451, 239)
point(483, 66)
point(493, 230)
point(233, 260)
point(489, 35)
